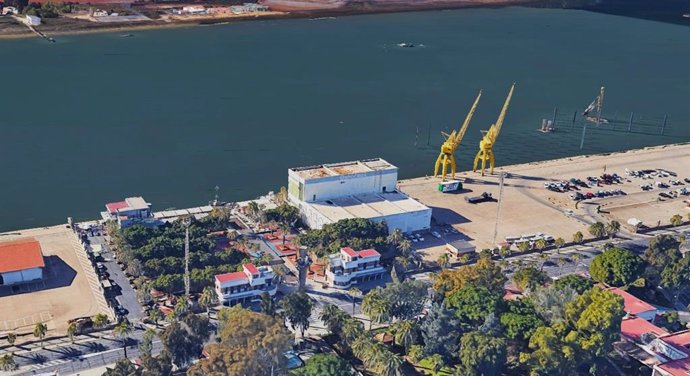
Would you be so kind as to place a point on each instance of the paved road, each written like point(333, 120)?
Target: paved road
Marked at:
point(121, 290)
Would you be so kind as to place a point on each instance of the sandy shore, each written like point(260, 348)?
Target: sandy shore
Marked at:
point(281, 9)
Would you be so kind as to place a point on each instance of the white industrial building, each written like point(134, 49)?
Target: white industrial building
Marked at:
point(21, 261)
point(361, 189)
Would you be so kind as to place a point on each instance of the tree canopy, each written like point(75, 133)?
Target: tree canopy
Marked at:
point(440, 332)
point(481, 355)
point(616, 267)
point(528, 278)
point(358, 233)
point(578, 283)
point(485, 273)
point(250, 344)
point(472, 304)
point(327, 364)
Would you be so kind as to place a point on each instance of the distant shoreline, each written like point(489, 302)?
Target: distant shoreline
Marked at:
point(94, 27)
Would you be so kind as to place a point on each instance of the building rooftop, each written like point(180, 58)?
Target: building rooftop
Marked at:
point(236, 276)
point(632, 305)
point(679, 367)
point(343, 168)
point(369, 205)
point(634, 327)
point(368, 253)
point(679, 339)
point(20, 255)
point(251, 268)
point(130, 203)
point(349, 251)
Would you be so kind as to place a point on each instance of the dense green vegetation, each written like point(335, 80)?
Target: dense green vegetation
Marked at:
point(357, 233)
point(157, 254)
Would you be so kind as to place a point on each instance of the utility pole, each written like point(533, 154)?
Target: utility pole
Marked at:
point(187, 222)
point(498, 208)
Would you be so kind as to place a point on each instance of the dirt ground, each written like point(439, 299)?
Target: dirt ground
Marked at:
point(66, 292)
point(528, 207)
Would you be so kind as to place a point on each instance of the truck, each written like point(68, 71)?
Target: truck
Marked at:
point(486, 196)
point(449, 186)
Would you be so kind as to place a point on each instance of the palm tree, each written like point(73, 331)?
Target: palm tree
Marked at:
point(253, 209)
point(612, 228)
point(123, 330)
point(597, 229)
point(155, 315)
point(443, 260)
point(504, 251)
point(7, 363)
point(333, 317)
point(11, 338)
point(72, 329)
point(354, 292)
point(284, 229)
point(403, 262)
point(405, 246)
point(436, 362)
point(523, 246)
point(388, 363)
point(676, 220)
point(362, 346)
point(405, 333)
point(577, 237)
point(40, 330)
point(576, 258)
point(208, 298)
point(352, 329)
point(543, 257)
point(464, 258)
point(375, 306)
point(100, 321)
point(559, 242)
point(540, 244)
point(181, 306)
point(395, 237)
point(268, 306)
point(561, 263)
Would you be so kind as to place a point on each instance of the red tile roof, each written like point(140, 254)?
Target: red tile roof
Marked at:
point(633, 328)
point(680, 339)
point(114, 206)
point(349, 251)
point(20, 255)
point(679, 367)
point(632, 305)
point(231, 277)
point(368, 253)
point(251, 268)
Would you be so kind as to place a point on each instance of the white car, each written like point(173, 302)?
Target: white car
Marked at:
point(436, 234)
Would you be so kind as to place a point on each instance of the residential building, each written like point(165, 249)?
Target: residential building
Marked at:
point(131, 211)
point(459, 248)
point(246, 285)
point(635, 306)
point(350, 267)
point(361, 189)
point(21, 261)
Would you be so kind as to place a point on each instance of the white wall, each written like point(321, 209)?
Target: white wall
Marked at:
point(407, 222)
point(22, 276)
point(345, 185)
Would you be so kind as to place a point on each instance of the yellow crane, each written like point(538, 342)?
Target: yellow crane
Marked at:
point(487, 142)
point(446, 157)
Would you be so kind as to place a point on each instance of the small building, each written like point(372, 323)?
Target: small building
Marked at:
point(32, 20)
point(131, 211)
point(635, 306)
point(349, 267)
point(21, 261)
point(366, 189)
point(460, 247)
point(246, 285)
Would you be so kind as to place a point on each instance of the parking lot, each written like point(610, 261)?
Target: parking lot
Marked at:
point(529, 207)
point(65, 293)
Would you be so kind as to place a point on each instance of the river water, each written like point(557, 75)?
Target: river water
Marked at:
point(169, 114)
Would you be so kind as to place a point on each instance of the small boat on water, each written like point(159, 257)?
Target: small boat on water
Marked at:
point(547, 126)
point(405, 45)
point(127, 35)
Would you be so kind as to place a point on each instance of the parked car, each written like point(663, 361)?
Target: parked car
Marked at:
point(436, 234)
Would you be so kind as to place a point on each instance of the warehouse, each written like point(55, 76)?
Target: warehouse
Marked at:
point(21, 261)
point(361, 189)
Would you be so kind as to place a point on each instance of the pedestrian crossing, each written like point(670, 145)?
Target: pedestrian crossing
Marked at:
point(51, 363)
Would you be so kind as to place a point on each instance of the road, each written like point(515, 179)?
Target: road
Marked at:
point(121, 291)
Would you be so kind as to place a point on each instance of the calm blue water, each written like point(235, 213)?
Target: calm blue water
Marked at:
point(169, 114)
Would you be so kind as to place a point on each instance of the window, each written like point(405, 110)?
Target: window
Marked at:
point(384, 188)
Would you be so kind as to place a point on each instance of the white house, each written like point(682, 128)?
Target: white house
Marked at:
point(21, 261)
point(32, 20)
point(350, 267)
point(360, 189)
point(247, 285)
point(133, 210)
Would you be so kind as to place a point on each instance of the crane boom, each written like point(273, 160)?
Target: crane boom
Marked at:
point(470, 114)
point(502, 116)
